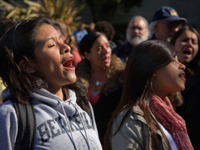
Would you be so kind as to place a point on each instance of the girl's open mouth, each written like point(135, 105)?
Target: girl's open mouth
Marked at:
point(187, 52)
point(68, 64)
point(182, 75)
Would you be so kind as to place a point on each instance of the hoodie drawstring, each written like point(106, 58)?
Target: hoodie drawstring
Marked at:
point(86, 138)
point(68, 123)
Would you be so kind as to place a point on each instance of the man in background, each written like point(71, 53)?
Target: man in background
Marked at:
point(165, 23)
point(136, 32)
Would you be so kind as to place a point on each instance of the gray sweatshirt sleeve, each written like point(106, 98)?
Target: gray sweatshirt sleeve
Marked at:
point(8, 126)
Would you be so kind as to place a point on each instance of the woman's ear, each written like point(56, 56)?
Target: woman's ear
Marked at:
point(87, 55)
point(27, 66)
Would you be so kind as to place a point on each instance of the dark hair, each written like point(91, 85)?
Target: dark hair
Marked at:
point(106, 28)
point(143, 61)
point(194, 66)
point(6, 25)
point(19, 44)
point(87, 42)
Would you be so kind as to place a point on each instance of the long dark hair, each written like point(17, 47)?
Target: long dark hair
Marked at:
point(194, 66)
point(19, 44)
point(143, 61)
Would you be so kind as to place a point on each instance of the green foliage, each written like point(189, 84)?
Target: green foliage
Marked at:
point(62, 10)
point(13, 10)
point(59, 10)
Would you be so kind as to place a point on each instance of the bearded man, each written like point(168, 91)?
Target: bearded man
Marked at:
point(137, 32)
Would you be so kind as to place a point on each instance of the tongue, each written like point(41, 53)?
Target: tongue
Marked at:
point(67, 64)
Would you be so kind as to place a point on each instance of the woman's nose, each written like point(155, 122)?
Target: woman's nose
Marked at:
point(136, 31)
point(182, 66)
point(64, 48)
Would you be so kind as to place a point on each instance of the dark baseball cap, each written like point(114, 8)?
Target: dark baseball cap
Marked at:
point(169, 14)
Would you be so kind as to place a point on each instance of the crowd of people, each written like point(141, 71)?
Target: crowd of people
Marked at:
point(88, 91)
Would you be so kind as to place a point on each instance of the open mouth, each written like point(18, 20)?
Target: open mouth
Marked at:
point(68, 63)
point(187, 52)
point(182, 75)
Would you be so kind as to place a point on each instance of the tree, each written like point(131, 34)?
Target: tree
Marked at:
point(106, 9)
point(60, 10)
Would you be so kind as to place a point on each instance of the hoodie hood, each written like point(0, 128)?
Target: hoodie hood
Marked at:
point(5, 94)
point(51, 100)
point(69, 105)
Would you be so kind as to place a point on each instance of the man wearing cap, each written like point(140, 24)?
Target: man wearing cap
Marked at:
point(165, 23)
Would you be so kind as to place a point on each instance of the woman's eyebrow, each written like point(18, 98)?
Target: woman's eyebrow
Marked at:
point(50, 38)
point(54, 38)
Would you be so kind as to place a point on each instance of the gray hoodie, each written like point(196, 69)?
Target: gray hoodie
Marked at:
point(61, 125)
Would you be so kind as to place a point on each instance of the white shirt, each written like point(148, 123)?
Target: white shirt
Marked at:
point(169, 138)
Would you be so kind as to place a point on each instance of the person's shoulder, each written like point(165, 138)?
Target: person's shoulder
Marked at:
point(123, 50)
point(119, 47)
point(131, 128)
point(85, 31)
point(153, 37)
point(76, 54)
point(75, 32)
point(6, 105)
point(135, 116)
point(7, 109)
